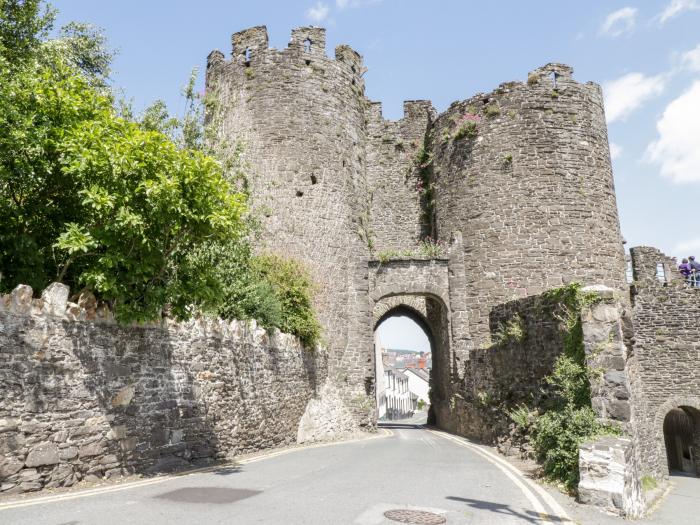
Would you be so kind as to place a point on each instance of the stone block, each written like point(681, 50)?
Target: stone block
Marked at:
point(603, 467)
point(92, 449)
point(69, 453)
point(619, 410)
point(43, 454)
point(9, 423)
point(55, 298)
point(9, 466)
point(117, 432)
point(124, 396)
point(21, 299)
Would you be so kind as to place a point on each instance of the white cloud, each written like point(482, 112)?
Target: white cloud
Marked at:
point(677, 149)
point(629, 92)
point(676, 7)
point(691, 59)
point(619, 22)
point(318, 13)
point(689, 246)
point(342, 4)
point(615, 150)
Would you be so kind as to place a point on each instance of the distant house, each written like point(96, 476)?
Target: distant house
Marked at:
point(418, 383)
point(397, 402)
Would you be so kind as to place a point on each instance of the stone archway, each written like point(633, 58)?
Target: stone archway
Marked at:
point(430, 313)
point(677, 436)
point(420, 289)
point(681, 429)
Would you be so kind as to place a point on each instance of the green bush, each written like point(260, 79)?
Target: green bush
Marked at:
point(512, 330)
point(291, 285)
point(467, 129)
point(557, 433)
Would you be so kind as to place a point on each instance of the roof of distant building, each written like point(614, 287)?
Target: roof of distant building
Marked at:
point(420, 372)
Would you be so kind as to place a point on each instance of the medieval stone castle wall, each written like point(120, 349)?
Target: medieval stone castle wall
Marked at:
point(525, 204)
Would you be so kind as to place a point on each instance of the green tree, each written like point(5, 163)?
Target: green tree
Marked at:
point(23, 25)
point(148, 213)
point(93, 200)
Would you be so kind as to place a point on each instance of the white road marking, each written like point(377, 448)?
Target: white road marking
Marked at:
point(524, 484)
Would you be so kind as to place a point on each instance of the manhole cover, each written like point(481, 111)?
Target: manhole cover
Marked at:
point(419, 517)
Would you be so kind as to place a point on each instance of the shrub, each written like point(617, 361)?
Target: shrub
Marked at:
point(557, 429)
point(466, 129)
point(492, 110)
point(511, 330)
point(293, 288)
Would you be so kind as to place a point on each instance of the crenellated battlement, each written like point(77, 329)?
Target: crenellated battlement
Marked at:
point(307, 45)
point(249, 43)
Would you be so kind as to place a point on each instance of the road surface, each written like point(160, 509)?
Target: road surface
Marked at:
point(405, 468)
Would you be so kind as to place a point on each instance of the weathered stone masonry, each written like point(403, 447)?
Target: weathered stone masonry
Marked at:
point(83, 397)
point(524, 205)
point(523, 202)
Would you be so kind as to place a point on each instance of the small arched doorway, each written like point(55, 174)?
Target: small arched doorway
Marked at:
point(682, 439)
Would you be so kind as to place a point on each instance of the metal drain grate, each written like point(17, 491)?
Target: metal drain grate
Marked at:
point(418, 517)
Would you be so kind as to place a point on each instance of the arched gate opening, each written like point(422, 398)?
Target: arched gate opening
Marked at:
point(682, 439)
point(410, 381)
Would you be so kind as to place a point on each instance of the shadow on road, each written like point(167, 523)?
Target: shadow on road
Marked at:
point(216, 495)
point(499, 508)
point(409, 426)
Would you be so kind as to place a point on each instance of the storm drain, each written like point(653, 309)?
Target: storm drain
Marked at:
point(419, 517)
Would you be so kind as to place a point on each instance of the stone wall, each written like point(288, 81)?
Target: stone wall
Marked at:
point(508, 372)
point(644, 357)
point(530, 198)
point(398, 219)
point(663, 366)
point(82, 397)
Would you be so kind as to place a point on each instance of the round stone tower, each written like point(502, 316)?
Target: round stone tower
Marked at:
point(524, 174)
point(299, 117)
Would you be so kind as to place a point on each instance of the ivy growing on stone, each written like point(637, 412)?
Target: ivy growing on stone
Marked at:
point(566, 420)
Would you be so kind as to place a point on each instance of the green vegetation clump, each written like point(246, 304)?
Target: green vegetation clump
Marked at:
point(512, 330)
point(426, 248)
point(492, 110)
point(649, 483)
point(557, 429)
point(150, 213)
point(466, 129)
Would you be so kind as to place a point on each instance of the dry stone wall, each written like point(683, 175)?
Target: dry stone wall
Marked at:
point(84, 398)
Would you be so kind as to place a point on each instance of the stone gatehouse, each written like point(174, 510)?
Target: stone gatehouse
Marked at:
point(513, 190)
point(514, 185)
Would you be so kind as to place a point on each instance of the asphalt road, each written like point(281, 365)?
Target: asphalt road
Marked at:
point(347, 483)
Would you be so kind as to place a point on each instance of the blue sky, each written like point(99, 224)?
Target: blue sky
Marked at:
point(645, 54)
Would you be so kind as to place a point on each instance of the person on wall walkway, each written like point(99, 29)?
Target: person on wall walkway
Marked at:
point(685, 270)
point(694, 271)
